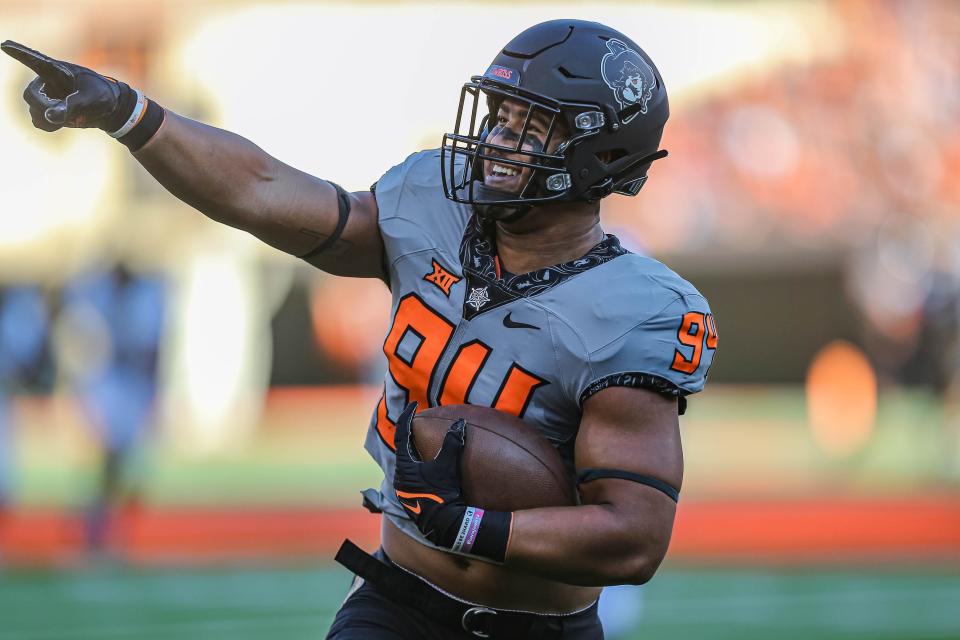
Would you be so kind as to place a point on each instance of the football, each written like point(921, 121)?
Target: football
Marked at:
point(507, 464)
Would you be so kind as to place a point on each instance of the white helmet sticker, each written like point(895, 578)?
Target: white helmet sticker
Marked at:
point(628, 75)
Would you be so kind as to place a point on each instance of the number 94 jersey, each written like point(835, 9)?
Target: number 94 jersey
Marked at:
point(536, 345)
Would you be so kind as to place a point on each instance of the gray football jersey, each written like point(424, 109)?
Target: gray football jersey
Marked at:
point(535, 345)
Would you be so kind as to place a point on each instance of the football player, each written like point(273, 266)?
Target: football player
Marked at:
point(506, 293)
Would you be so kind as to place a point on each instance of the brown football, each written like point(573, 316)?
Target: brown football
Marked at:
point(507, 464)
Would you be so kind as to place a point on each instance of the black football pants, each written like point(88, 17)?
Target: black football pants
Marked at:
point(368, 614)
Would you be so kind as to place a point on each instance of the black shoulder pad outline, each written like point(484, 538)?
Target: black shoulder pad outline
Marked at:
point(640, 380)
point(343, 201)
point(589, 475)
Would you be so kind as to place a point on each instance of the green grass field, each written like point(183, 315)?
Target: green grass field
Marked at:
point(278, 603)
point(291, 463)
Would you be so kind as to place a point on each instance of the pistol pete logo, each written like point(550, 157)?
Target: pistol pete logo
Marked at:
point(441, 277)
point(628, 75)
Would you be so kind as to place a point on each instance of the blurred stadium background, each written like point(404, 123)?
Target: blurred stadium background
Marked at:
point(182, 409)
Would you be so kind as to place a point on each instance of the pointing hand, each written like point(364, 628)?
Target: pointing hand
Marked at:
point(68, 95)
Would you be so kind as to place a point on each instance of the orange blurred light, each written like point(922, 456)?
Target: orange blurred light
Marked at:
point(350, 318)
point(841, 398)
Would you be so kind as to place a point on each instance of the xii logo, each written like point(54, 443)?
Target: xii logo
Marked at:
point(441, 277)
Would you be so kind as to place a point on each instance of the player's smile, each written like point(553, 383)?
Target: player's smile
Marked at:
point(509, 123)
point(505, 177)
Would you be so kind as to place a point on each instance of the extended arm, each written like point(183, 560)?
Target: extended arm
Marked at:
point(221, 174)
point(233, 181)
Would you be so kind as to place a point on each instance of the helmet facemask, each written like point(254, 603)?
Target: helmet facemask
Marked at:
point(552, 166)
point(478, 140)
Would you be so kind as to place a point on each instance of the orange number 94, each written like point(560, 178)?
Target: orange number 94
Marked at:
point(699, 331)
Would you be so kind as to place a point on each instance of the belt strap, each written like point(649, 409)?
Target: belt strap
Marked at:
point(402, 586)
point(481, 622)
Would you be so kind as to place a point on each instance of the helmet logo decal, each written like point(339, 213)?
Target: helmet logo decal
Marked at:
point(503, 74)
point(628, 75)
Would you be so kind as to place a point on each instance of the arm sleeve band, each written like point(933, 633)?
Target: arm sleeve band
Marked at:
point(343, 200)
point(589, 475)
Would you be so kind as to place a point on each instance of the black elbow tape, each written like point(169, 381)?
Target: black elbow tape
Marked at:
point(343, 201)
point(589, 475)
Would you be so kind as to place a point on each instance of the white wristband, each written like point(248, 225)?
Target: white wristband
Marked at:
point(138, 110)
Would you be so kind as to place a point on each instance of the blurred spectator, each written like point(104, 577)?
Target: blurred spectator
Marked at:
point(24, 367)
point(24, 359)
point(110, 330)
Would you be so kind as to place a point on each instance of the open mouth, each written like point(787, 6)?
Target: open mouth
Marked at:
point(501, 170)
point(502, 176)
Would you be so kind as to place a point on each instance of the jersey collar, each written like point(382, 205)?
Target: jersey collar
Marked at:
point(478, 258)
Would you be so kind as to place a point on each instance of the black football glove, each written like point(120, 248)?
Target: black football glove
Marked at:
point(67, 95)
point(430, 492)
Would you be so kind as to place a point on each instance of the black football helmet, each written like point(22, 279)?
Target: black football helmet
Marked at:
point(586, 79)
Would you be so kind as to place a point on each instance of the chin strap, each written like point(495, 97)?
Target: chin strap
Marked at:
point(494, 211)
point(501, 213)
point(606, 187)
point(512, 213)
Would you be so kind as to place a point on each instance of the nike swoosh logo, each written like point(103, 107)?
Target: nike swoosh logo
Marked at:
point(414, 510)
point(513, 324)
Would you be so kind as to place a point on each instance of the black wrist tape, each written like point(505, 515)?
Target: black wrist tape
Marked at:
point(146, 128)
point(493, 536)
